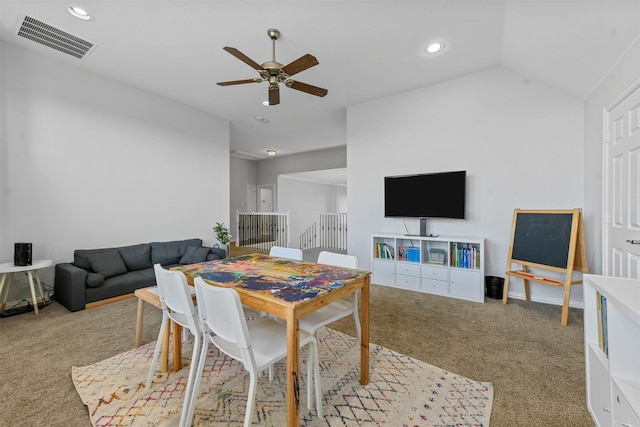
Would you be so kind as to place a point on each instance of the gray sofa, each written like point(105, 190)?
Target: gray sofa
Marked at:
point(99, 274)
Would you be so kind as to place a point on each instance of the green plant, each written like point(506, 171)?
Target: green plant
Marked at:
point(222, 233)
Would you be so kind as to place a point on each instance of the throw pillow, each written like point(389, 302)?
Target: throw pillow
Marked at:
point(193, 255)
point(108, 263)
point(218, 253)
point(136, 257)
point(94, 280)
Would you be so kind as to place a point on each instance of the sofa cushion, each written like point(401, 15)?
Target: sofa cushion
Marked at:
point(81, 256)
point(184, 244)
point(94, 280)
point(164, 253)
point(136, 257)
point(194, 255)
point(107, 263)
point(216, 253)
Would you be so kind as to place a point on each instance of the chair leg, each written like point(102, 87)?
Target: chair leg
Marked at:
point(316, 378)
point(185, 419)
point(251, 398)
point(198, 377)
point(156, 352)
point(309, 377)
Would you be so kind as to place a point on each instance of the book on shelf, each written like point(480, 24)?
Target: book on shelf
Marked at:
point(603, 340)
point(464, 255)
point(437, 256)
point(413, 254)
point(402, 253)
point(388, 251)
point(384, 251)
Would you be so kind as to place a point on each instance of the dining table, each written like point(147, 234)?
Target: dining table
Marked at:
point(290, 290)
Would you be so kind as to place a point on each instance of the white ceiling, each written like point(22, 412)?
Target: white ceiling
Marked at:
point(366, 49)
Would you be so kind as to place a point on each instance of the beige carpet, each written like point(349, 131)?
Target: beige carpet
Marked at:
point(402, 391)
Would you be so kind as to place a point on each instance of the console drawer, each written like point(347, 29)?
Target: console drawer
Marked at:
point(408, 269)
point(409, 282)
point(435, 273)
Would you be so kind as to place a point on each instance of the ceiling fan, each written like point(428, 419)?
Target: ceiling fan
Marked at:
point(275, 73)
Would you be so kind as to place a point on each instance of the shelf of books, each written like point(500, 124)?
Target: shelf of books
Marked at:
point(465, 255)
point(440, 265)
point(612, 349)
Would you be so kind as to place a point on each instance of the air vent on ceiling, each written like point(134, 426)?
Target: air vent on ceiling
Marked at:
point(54, 38)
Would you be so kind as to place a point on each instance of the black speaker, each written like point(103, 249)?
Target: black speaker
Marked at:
point(22, 254)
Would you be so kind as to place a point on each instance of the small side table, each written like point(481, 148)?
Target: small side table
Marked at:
point(8, 268)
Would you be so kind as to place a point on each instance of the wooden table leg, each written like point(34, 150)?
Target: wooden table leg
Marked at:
point(364, 341)
point(165, 349)
point(6, 291)
point(177, 346)
point(293, 369)
point(139, 321)
point(33, 292)
point(39, 283)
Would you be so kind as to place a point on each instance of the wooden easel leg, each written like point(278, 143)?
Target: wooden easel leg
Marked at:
point(505, 291)
point(565, 304)
point(527, 295)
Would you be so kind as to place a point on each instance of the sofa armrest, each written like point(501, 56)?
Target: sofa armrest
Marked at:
point(70, 286)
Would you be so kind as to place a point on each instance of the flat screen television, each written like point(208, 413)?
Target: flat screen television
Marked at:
point(428, 195)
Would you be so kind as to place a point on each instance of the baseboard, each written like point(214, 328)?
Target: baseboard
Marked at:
point(552, 301)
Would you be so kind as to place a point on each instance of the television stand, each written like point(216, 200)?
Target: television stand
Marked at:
point(421, 235)
point(448, 266)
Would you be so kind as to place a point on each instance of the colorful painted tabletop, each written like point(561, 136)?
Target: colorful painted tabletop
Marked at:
point(289, 280)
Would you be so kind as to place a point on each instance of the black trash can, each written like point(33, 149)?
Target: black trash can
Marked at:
point(493, 287)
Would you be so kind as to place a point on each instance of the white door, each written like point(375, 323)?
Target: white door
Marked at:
point(252, 198)
point(622, 184)
point(266, 198)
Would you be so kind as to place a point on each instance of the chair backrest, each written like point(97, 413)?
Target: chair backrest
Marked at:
point(338, 260)
point(175, 294)
point(282, 252)
point(221, 312)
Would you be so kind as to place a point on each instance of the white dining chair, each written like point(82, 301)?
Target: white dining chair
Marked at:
point(282, 252)
point(176, 298)
point(257, 343)
point(337, 309)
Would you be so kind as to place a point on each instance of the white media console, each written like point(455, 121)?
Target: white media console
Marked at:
point(442, 265)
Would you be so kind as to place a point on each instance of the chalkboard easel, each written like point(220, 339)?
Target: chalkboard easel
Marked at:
point(551, 240)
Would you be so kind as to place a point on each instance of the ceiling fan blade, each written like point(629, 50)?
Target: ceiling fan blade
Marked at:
point(244, 58)
point(274, 95)
point(239, 82)
point(300, 64)
point(313, 90)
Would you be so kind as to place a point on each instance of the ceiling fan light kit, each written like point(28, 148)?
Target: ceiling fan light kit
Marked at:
point(275, 73)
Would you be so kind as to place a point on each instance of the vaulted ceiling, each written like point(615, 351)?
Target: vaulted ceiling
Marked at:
point(366, 50)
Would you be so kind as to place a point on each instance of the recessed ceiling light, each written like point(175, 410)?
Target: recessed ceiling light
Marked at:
point(271, 153)
point(434, 47)
point(80, 13)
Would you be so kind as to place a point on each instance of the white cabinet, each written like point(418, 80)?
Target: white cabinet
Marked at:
point(450, 266)
point(612, 349)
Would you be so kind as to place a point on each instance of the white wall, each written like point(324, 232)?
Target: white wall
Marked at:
point(89, 162)
point(330, 158)
point(520, 142)
point(305, 201)
point(243, 172)
point(626, 70)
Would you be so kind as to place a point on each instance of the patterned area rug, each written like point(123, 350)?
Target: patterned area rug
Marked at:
point(402, 391)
